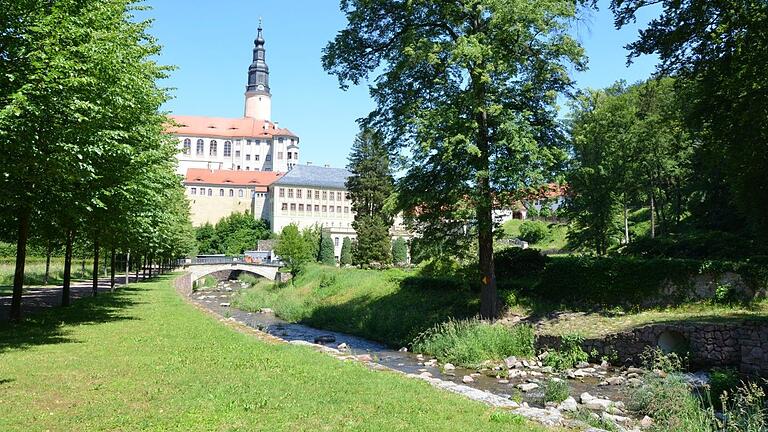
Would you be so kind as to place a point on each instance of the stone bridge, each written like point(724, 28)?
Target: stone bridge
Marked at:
point(223, 269)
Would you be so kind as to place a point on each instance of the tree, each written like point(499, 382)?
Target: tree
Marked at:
point(369, 186)
point(205, 235)
point(717, 49)
point(399, 251)
point(470, 87)
point(326, 254)
point(294, 249)
point(345, 257)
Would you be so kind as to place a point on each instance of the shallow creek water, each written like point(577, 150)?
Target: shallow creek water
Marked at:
point(218, 300)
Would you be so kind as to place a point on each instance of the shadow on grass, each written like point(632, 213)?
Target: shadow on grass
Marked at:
point(47, 326)
point(397, 318)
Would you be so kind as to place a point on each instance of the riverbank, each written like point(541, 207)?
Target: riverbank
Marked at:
point(143, 359)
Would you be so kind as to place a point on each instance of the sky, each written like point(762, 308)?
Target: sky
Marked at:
point(210, 44)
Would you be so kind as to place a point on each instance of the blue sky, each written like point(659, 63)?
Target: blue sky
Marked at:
point(210, 43)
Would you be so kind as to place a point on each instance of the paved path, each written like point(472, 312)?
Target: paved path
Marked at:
point(36, 298)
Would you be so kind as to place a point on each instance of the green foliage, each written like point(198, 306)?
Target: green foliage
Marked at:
point(594, 420)
point(744, 410)
point(370, 185)
point(698, 244)
point(533, 231)
point(655, 359)
point(671, 404)
point(249, 278)
point(516, 262)
point(722, 380)
point(399, 251)
point(346, 252)
point(326, 254)
point(556, 390)
point(232, 235)
point(470, 342)
point(294, 249)
point(568, 355)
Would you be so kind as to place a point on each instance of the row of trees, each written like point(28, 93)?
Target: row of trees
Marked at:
point(689, 148)
point(82, 138)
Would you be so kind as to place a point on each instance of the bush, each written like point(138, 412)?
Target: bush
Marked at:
point(471, 342)
point(516, 262)
point(556, 390)
point(697, 245)
point(569, 354)
point(533, 231)
point(722, 380)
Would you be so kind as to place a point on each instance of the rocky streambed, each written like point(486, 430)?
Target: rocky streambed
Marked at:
point(601, 390)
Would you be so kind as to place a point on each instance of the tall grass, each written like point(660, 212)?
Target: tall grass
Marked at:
point(470, 342)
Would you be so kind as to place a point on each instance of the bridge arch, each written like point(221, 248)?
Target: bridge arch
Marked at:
point(199, 271)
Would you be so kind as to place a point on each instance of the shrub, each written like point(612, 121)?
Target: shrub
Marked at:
point(722, 380)
point(533, 231)
point(653, 358)
point(516, 262)
point(249, 278)
point(470, 342)
point(556, 390)
point(569, 354)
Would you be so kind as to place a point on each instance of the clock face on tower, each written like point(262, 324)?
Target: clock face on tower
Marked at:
point(261, 87)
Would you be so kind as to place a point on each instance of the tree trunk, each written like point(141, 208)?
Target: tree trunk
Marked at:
point(127, 266)
point(653, 217)
point(48, 252)
point(112, 272)
point(21, 258)
point(144, 270)
point(138, 267)
point(67, 268)
point(626, 224)
point(151, 262)
point(484, 214)
point(95, 275)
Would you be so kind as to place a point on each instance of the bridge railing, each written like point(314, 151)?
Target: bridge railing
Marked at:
point(227, 260)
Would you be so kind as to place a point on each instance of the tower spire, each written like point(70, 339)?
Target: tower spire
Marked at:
point(258, 97)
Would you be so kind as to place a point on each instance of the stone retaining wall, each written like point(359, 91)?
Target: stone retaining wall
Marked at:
point(183, 284)
point(743, 344)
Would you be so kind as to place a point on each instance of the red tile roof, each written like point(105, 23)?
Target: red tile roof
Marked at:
point(256, 179)
point(226, 127)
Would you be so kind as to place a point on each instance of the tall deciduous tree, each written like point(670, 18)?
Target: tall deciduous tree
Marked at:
point(294, 249)
point(369, 186)
point(470, 87)
point(719, 48)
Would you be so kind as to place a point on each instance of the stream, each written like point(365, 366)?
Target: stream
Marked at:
point(218, 300)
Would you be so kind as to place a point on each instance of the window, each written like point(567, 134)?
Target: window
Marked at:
point(221, 192)
point(210, 192)
point(331, 208)
point(255, 157)
point(338, 209)
point(280, 140)
point(279, 155)
point(301, 207)
point(290, 193)
point(325, 195)
point(309, 207)
point(338, 196)
point(336, 241)
point(346, 209)
point(247, 157)
point(193, 191)
point(290, 155)
point(237, 153)
point(240, 193)
point(309, 193)
point(332, 196)
point(325, 209)
point(298, 193)
point(257, 142)
point(293, 206)
point(317, 195)
point(200, 147)
point(187, 146)
point(247, 142)
point(296, 155)
point(292, 140)
point(268, 158)
point(238, 167)
point(317, 208)
point(247, 168)
point(231, 192)
point(285, 206)
point(282, 193)
point(213, 148)
point(227, 149)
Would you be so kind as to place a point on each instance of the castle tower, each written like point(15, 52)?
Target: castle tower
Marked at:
point(258, 99)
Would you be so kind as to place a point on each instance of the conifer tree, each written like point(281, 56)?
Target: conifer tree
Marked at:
point(345, 257)
point(326, 255)
point(369, 187)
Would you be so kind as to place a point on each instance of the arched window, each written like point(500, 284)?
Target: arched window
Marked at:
point(240, 193)
point(227, 148)
point(200, 147)
point(187, 146)
point(210, 192)
point(231, 192)
point(213, 148)
point(221, 192)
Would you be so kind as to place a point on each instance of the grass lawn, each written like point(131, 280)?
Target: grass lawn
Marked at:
point(555, 240)
point(34, 272)
point(143, 359)
point(601, 323)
